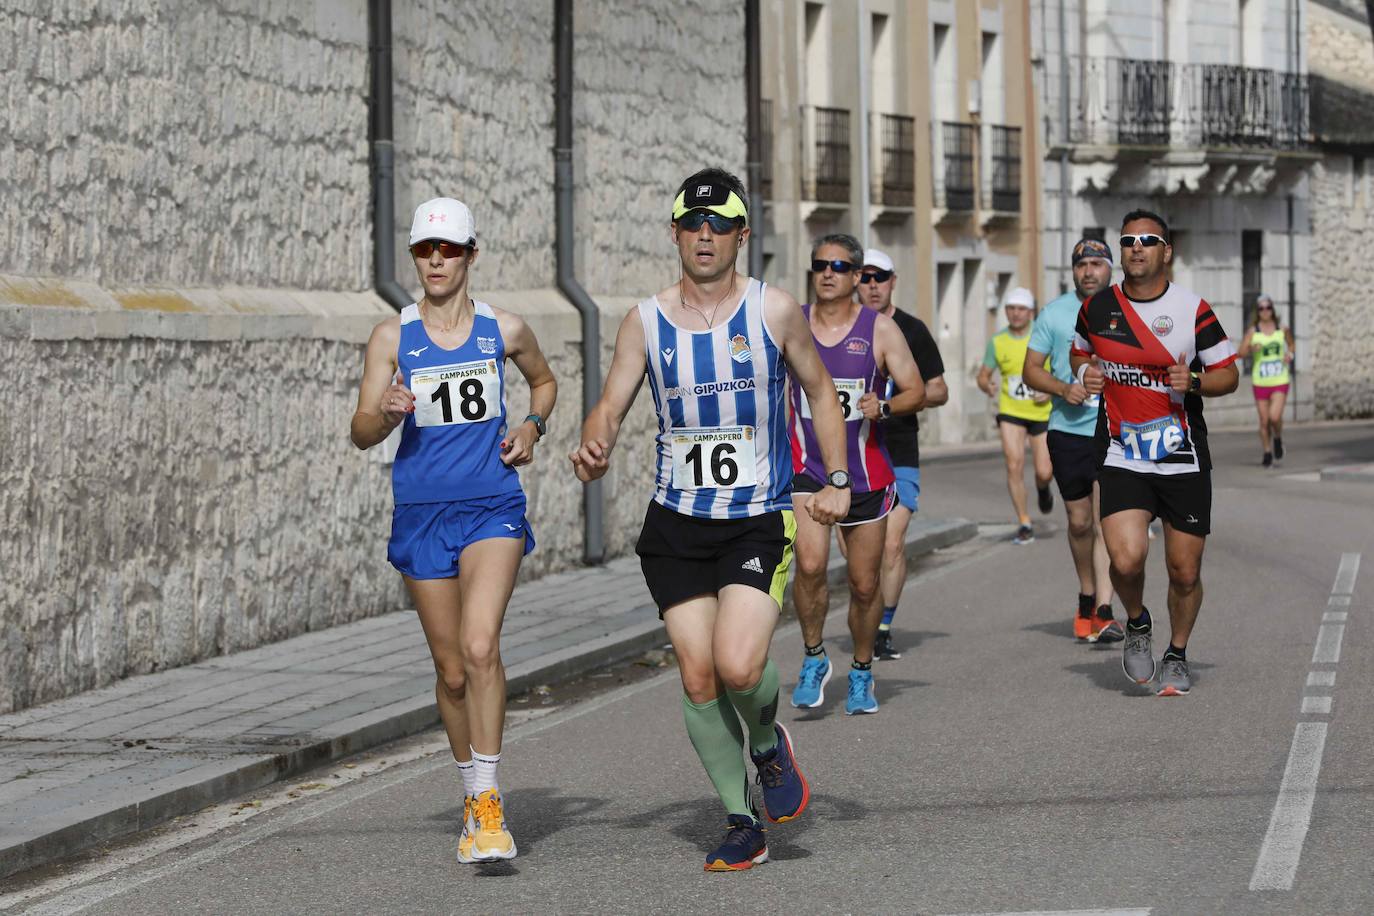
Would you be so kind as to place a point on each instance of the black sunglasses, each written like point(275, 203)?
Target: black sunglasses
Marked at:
point(446, 249)
point(1266, 305)
point(840, 267)
point(875, 276)
point(1146, 240)
point(720, 225)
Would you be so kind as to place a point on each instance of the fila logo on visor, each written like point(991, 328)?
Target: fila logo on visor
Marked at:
point(703, 190)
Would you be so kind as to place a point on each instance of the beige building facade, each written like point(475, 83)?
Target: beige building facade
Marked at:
point(905, 125)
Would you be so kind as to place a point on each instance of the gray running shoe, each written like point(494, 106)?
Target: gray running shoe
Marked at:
point(1173, 678)
point(1137, 659)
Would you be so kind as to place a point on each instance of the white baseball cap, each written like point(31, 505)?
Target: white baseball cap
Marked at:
point(445, 219)
point(1020, 296)
point(875, 258)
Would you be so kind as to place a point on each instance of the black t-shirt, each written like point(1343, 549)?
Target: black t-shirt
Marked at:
point(900, 433)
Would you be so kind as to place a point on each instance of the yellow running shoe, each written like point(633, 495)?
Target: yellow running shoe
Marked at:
point(465, 838)
point(493, 841)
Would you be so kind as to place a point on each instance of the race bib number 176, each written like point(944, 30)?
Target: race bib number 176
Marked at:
point(1152, 440)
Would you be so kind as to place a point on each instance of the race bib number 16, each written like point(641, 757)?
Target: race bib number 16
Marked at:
point(461, 393)
point(711, 457)
point(1152, 440)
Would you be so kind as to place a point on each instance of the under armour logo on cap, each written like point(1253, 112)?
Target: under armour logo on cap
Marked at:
point(441, 217)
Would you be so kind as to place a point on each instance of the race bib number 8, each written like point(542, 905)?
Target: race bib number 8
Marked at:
point(1151, 441)
point(457, 394)
point(849, 390)
point(1017, 389)
point(713, 457)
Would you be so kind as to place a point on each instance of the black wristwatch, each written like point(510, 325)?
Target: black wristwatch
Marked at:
point(884, 410)
point(538, 422)
point(840, 480)
point(1195, 383)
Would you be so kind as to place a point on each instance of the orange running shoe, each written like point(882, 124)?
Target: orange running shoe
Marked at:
point(465, 839)
point(493, 840)
point(1082, 628)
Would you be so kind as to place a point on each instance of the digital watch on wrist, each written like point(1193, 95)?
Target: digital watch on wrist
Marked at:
point(839, 480)
point(1194, 383)
point(538, 422)
point(884, 410)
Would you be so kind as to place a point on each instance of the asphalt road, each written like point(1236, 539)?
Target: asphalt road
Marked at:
point(1009, 769)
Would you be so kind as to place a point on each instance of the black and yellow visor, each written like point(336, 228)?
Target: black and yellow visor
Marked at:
point(713, 198)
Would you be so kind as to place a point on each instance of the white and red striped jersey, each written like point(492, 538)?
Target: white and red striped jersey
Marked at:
point(1146, 426)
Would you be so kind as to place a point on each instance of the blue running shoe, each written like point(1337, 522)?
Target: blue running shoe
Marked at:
point(861, 698)
point(745, 846)
point(785, 790)
point(810, 690)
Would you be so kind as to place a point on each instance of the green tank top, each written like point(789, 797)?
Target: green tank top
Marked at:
point(1270, 353)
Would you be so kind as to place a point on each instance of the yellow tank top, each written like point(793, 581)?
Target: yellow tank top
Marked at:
point(1270, 352)
point(1016, 399)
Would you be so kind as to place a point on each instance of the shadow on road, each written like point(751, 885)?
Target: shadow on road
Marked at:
point(884, 688)
point(1107, 674)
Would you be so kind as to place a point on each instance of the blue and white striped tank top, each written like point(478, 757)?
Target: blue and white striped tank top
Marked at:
point(722, 413)
point(451, 445)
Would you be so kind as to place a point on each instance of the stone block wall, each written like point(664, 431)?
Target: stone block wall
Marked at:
point(185, 260)
point(1342, 220)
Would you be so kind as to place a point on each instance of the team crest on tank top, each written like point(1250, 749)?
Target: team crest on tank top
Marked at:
point(721, 447)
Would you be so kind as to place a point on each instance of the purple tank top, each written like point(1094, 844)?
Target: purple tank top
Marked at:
point(855, 371)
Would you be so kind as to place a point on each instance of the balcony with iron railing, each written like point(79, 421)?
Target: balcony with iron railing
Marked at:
point(1127, 102)
point(827, 173)
point(1001, 169)
point(954, 147)
point(894, 161)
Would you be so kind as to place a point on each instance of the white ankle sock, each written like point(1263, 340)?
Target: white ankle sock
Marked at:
point(484, 772)
point(468, 772)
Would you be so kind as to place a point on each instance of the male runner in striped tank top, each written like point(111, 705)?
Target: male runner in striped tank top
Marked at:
point(861, 349)
point(717, 538)
point(458, 532)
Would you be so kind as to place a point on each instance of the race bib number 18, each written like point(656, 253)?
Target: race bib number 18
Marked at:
point(1151, 441)
point(849, 390)
point(713, 457)
point(461, 393)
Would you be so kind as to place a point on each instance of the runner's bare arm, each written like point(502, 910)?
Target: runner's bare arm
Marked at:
point(985, 381)
point(523, 349)
point(1245, 344)
point(382, 402)
point(1288, 336)
point(1039, 378)
point(896, 362)
point(790, 331)
point(602, 426)
point(937, 392)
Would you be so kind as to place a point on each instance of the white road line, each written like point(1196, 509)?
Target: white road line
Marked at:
point(1345, 575)
point(1338, 601)
point(1282, 848)
point(1328, 648)
point(1321, 679)
point(1316, 705)
point(1335, 616)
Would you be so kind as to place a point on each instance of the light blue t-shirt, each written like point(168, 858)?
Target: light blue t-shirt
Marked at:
point(1052, 334)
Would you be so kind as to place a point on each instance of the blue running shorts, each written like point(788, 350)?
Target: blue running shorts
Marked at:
point(908, 487)
point(427, 538)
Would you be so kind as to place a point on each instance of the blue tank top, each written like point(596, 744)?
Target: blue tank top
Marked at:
point(451, 445)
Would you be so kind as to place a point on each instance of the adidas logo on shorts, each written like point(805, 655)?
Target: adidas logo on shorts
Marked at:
point(753, 565)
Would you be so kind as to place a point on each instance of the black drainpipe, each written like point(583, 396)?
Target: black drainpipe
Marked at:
point(593, 537)
point(383, 157)
point(753, 167)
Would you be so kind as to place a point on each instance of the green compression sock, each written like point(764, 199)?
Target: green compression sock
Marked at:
point(719, 742)
point(758, 707)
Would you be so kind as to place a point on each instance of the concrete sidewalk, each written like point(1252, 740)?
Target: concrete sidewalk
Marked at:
point(103, 764)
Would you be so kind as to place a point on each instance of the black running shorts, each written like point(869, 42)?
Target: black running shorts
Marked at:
point(863, 507)
point(1033, 427)
point(1075, 463)
point(685, 557)
point(1182, 500)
